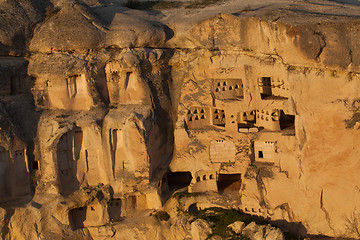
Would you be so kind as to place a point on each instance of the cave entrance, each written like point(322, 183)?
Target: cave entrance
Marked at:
point(114, 209)
point(130, 204)
point(178, 180)
point(4, 160)
point(229, 183)
point(77, 217)
point(22, 177)
point(3, 191)
point(35, 165)
point(68, 153)
point(287, 121)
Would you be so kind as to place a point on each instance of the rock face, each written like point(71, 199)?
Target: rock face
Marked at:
point(73, 28)
point(18, 20)
point(256, 232)
point(237, 227)
point(127, 31)
point(200, 229)
point(15, 178)
point(106, 112)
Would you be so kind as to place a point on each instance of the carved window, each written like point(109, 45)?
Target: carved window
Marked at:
point(227, 90)
point(273, 88)
point(198, 117)
point(71, 86)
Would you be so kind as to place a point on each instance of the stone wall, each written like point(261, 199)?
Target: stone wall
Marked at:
point(105, 108)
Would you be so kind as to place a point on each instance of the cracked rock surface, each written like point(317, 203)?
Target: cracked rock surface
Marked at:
point(117, 122)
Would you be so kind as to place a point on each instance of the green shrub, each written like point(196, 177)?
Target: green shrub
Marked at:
point(162, 215)
point(202, 3)
point(180, 195)
point(149, 5)
point(221, 218)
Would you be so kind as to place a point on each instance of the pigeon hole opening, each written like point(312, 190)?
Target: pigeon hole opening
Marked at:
point(246, 119)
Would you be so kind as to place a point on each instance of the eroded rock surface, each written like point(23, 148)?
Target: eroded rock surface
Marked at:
point(110, 114)
point(256, 232)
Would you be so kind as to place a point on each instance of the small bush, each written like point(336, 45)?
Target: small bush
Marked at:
point(247, 8)
point(162, 215)
point(202, 3)
point(180, 195)
point(167, 4)
point(221, 218)
point(63, 116)
point(133, 4)
point(150, 5)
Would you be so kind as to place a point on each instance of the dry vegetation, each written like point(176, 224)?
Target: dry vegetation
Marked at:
point(153, 5)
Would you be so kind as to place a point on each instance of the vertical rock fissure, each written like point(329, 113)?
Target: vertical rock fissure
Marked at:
point(5, 229)
point(327, 216)
point(261, 188)
point(322, 45)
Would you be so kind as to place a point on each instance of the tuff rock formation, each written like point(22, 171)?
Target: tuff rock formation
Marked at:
point(110, 116)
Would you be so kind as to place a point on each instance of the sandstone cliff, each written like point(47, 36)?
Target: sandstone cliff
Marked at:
point(110, 116)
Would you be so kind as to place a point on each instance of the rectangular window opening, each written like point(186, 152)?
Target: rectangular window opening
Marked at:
point(35, 165)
